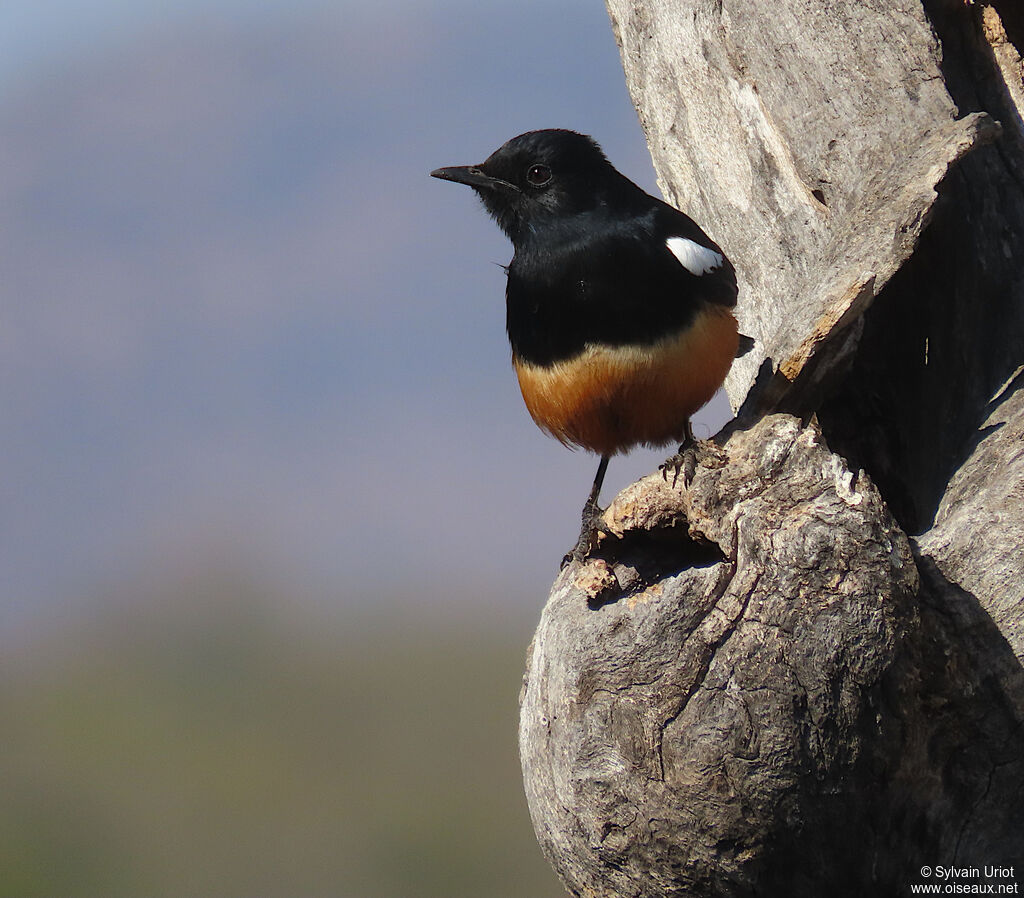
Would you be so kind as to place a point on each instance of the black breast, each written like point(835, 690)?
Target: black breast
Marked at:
point(603, 286)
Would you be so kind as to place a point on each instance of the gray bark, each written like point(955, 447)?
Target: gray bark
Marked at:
point(763, 685)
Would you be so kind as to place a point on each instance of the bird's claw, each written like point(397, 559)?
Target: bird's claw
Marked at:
point(683, 462)
point(589, 532)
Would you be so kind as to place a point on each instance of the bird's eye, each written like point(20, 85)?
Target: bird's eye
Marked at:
point(538, 175)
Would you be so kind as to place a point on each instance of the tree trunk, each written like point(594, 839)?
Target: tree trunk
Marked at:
point(762, 685)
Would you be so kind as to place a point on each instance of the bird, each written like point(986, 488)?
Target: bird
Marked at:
point(619, 308)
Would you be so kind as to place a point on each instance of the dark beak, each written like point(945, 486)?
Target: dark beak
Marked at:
point(471, 175)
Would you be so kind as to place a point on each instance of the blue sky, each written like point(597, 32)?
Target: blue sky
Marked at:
point(241, 326)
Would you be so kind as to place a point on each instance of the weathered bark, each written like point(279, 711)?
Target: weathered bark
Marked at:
point(763, 686)
point(781, 714)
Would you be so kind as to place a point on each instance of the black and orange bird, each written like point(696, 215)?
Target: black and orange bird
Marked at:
point(618, 306)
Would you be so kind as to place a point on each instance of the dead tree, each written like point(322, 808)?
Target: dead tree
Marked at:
point(801, 673)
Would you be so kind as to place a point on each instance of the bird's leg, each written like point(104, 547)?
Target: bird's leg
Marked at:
point(591, 515)
point(685, 460)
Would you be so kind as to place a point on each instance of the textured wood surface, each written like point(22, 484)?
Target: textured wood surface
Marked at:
point(783, 711)
point(783, 127)
point(762, 685)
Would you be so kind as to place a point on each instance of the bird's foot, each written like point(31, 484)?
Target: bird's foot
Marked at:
point(683, 462)
point(589, 533)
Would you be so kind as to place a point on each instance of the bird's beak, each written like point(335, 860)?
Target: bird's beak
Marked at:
point(473, 176)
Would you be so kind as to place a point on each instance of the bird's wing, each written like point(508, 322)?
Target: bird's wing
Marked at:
point(699, 256)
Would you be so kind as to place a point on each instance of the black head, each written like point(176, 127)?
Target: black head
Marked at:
point(536, 177)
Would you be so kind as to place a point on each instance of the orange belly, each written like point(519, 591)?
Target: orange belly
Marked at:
point(610, 398)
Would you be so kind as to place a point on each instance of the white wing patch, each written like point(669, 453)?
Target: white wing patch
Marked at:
point(695, 258)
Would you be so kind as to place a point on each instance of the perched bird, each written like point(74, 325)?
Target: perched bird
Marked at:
point(619, 307)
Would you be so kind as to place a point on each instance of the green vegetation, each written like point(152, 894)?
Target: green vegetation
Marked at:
point(209, 749)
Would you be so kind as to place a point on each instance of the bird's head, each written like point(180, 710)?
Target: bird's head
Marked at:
point(537, 178)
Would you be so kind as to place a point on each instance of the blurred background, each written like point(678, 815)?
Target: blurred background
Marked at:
point(275, 526)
